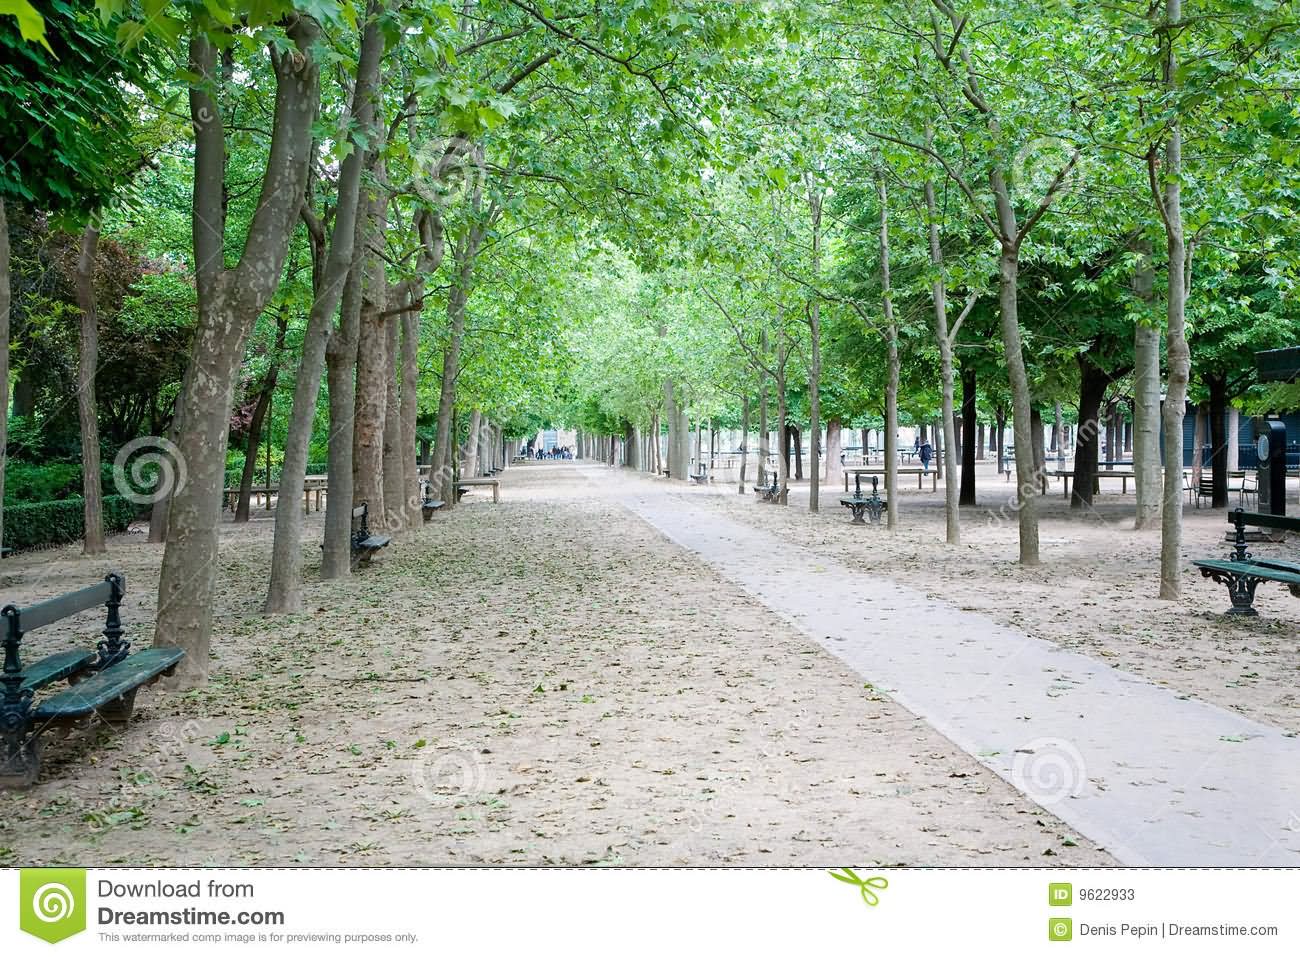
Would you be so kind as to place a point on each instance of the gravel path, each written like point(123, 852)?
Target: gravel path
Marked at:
point(1159, 779)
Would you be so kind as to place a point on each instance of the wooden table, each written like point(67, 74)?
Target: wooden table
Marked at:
point(317, 485)
point(1067, 474)
point(471, 482)
point(902, 470)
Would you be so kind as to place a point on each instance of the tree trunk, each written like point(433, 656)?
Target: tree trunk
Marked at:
point(284, 591)
point(469, 451)
point(1234, 445)
point(944, 338)
point(764, 446)
point(1198, 445)
point(87, 410)
point(979, 438)
point(796, 440)
point(968, 450)
point(229, 301)
point(834, 449)
point(1179, 356)
point(1146, 400)
point(815, 201)
point(630, 456)
point(1040, 452)
point(409, 405)
point(744, 441)
point(891, 341)
point(394, 513)
point(373, 364)
point(783, 459)
point(341, 364)
point(1026, 479)
point(999, 449)
point(6, 297)
point(1092, 389)
point(673, 444)
point(1218, 386)
point(255, 425)
point(457, 298)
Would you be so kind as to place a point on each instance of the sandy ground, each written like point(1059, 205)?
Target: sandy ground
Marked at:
point(547, 681)
point(1094, 591)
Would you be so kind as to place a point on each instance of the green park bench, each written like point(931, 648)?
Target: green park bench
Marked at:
point(429, 506)
point(701, 477)
point(769, 493)
point(1242, 572)
point(101, 684)
point(364, 544)
point(860, 504)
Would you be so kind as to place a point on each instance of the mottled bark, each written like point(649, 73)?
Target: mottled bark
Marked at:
point(284, 591)
point(229, 301)
point(1179, 357)
point(87, 410)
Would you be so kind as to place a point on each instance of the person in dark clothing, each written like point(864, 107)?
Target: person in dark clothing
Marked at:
point(926, 453)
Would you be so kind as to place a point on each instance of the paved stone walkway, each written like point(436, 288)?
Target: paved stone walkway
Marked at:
point(1154, 778)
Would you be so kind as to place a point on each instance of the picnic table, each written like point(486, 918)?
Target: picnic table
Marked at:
point(920, 474)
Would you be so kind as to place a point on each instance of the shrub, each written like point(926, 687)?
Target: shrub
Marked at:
point(38, 524)
point(26, 482)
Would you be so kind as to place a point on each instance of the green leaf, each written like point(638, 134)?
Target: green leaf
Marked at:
point(31, 25)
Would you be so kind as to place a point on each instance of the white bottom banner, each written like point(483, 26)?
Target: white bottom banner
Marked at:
point(652, 911)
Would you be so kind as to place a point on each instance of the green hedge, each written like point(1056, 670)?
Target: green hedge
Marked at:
point(38, 524)
point(48, 482)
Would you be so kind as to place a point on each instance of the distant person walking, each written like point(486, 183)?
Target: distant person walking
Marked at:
point(926, 453)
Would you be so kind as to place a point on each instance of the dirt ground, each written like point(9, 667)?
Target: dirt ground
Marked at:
point(550, 681)
point(1093, 593)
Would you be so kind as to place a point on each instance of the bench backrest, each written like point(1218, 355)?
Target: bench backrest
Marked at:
point(24, 620)
point(112, 648)
point(360, 510)
point(1240, 519)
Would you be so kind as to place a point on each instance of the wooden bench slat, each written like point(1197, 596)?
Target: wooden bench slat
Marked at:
point(108, 685)
point(1251, 568)
point(1278, 564)
point(1265, 520)
point(55, 668)
point(374, 541)
point(47, 612)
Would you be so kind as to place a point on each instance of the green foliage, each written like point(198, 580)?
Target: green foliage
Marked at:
point(66, 123)
point(40, 524)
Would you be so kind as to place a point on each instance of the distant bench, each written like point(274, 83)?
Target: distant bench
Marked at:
point(465, 485)
point(701, 477)
point(769, 493)
point(364, 544)
point(1242, 572)
point(102, 683)
point(860, 504)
